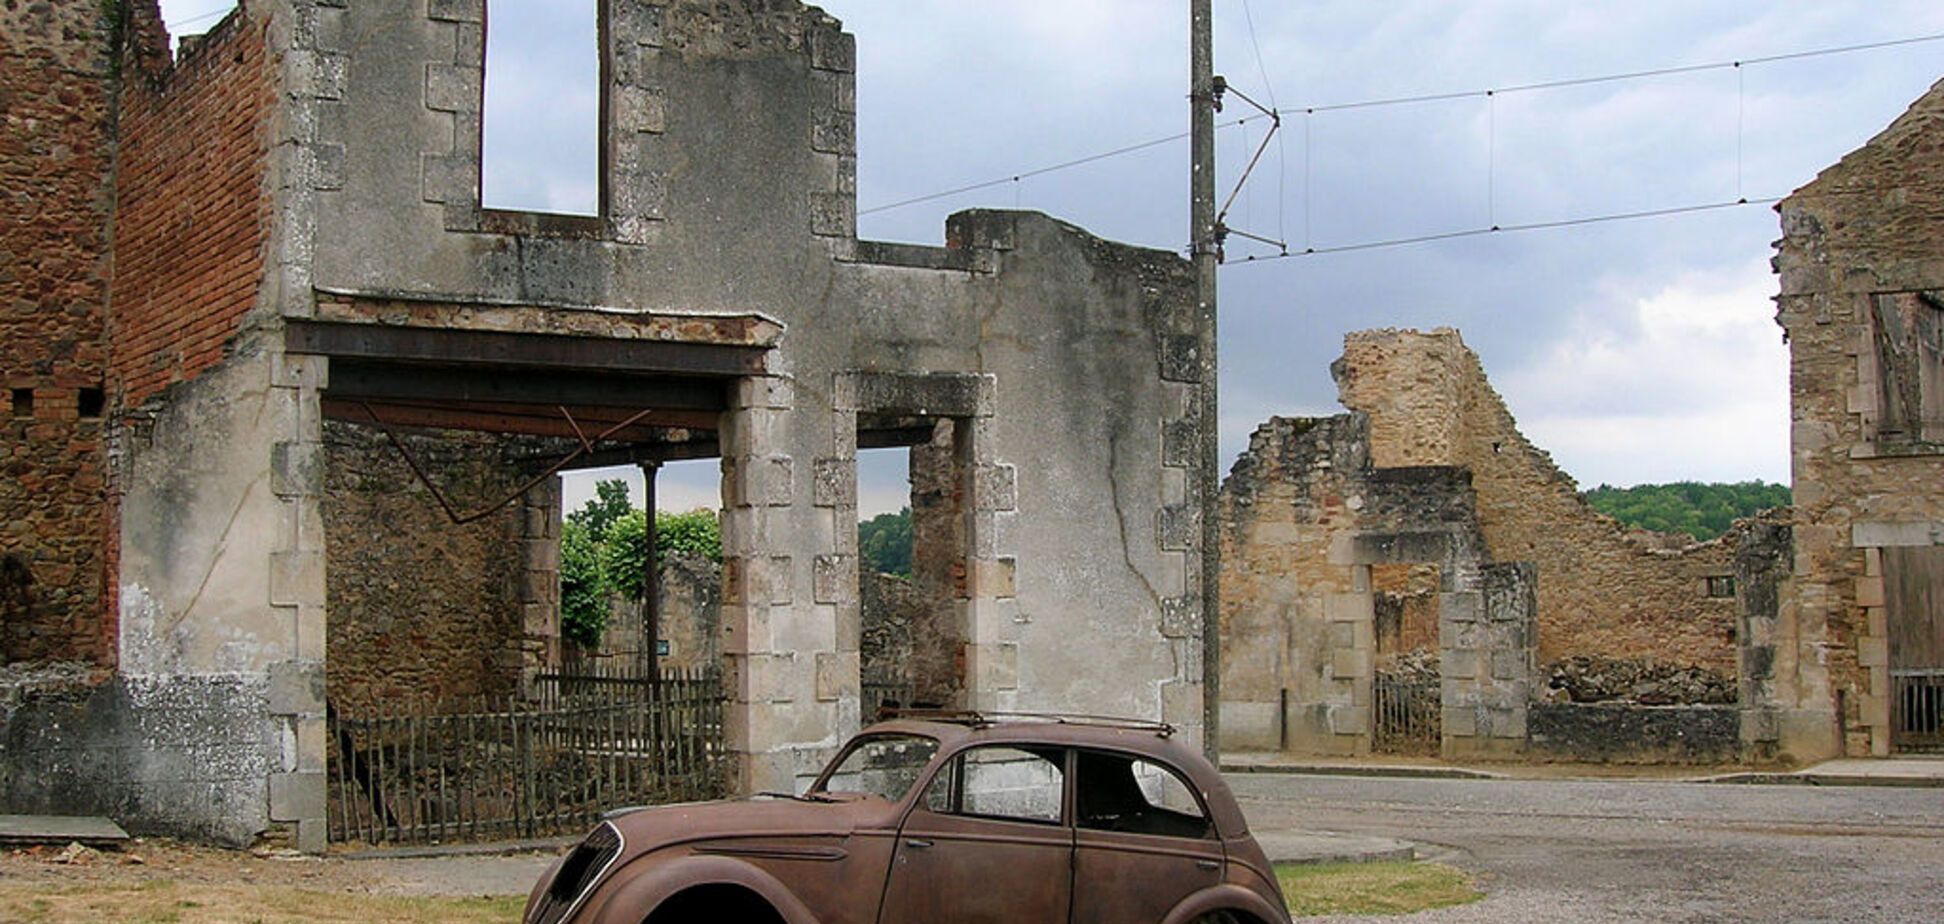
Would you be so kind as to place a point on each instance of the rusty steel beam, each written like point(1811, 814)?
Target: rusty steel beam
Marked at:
point(533, 421)
point(356, 378)
point(508, 350)
point(655, 451)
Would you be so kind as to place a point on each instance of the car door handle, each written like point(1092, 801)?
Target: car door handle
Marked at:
point(915, 842)
point(1208, 864)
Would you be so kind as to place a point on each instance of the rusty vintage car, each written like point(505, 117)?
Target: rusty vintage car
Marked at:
point(959, 817)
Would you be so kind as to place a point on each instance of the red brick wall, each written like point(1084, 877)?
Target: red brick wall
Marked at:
point(193, 212)
point(56, 150)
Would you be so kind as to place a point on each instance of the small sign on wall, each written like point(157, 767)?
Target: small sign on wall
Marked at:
point(661, 647)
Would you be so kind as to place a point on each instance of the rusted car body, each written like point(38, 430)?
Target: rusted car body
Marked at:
point(947, 818)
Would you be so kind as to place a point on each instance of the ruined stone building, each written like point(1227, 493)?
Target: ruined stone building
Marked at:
point(1859, 665)
point(272, 367)
point(1423, 522)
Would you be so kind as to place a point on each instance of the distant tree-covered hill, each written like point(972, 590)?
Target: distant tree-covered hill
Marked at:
point(1703, 511)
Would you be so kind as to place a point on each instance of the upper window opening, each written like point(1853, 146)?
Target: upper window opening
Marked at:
point(540, 141)
point(1909, 335)
point(23, 402)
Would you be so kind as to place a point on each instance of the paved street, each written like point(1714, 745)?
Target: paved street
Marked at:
point(1590, 852)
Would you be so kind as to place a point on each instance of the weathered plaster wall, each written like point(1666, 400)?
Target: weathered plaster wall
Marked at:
point(1604, 588)
point(1022, 326)
point(57, 86)
point(166, 756)
point(1866, 231)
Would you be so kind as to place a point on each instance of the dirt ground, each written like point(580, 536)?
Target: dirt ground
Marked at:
point(164, 882)
point(145, 861)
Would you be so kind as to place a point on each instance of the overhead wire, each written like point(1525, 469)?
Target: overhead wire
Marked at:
point(1308, 111)
point(1503, 229)
point(199, 17)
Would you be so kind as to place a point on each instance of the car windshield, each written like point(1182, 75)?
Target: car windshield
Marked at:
point(880, 765)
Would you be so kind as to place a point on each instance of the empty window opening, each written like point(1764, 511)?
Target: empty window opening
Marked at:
point(1721, 585)
point(1909, 334)
point(23, 402)
point(90, 402)
point(912, 547)
point(540, 144)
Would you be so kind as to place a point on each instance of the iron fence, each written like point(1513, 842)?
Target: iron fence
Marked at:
point(1406, 718)
point(523, 766)
point(883, 690)
point(1918, 700)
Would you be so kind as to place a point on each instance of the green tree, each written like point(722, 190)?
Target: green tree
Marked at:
point(884, 542)
point(583, 593)
point(625, 553)
point(1703, 511)
point(609, 503)
point(696, 532)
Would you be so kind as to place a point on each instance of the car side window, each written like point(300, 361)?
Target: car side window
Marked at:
point(1002, 782)
point(1120, 792)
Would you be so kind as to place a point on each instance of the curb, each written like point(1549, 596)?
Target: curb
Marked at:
point(1419, 773)
point(1406, 853)
point(1824, 779)
point(1747, 778)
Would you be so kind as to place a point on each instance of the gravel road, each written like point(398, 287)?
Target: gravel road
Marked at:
point(1597, 852)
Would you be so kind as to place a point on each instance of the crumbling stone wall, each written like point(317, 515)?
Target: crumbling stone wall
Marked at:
point(1425, 521)
point(57, 85)
point(421, 608)
point(893, 609)
point(689, 590)
point(1406, 602)
point(1604, 589)
point(1862, 248)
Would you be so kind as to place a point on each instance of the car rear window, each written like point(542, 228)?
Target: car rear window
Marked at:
point(1121, 792)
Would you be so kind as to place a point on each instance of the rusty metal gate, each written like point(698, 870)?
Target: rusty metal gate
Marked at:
point(522, 766)
point(1913, 581)
point(1405, 718)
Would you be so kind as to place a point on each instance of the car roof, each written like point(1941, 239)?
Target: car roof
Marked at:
point(1145, 738)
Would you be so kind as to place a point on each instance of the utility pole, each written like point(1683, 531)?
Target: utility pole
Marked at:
point(1205, 247)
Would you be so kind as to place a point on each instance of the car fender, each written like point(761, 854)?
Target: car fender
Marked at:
point(635, 890)
point(1225, 897)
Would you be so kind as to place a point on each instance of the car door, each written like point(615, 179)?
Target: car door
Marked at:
point(1143, 840)
point(987, 842)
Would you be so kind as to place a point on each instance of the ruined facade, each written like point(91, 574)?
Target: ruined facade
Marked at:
point(301, 264)
point(1859, 647)
point(1424, 521)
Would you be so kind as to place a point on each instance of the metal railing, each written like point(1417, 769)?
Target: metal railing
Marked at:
point(880, 691)
point(513, 766)
point(1917, 699)
point(1405, 718)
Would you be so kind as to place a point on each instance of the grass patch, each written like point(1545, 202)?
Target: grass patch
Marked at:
point(1372, 888)
point(178, 903)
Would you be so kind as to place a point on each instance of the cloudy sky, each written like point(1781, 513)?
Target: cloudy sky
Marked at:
point(1634, 351)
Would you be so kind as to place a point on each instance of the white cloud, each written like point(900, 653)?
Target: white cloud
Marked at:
point(1693, 384)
